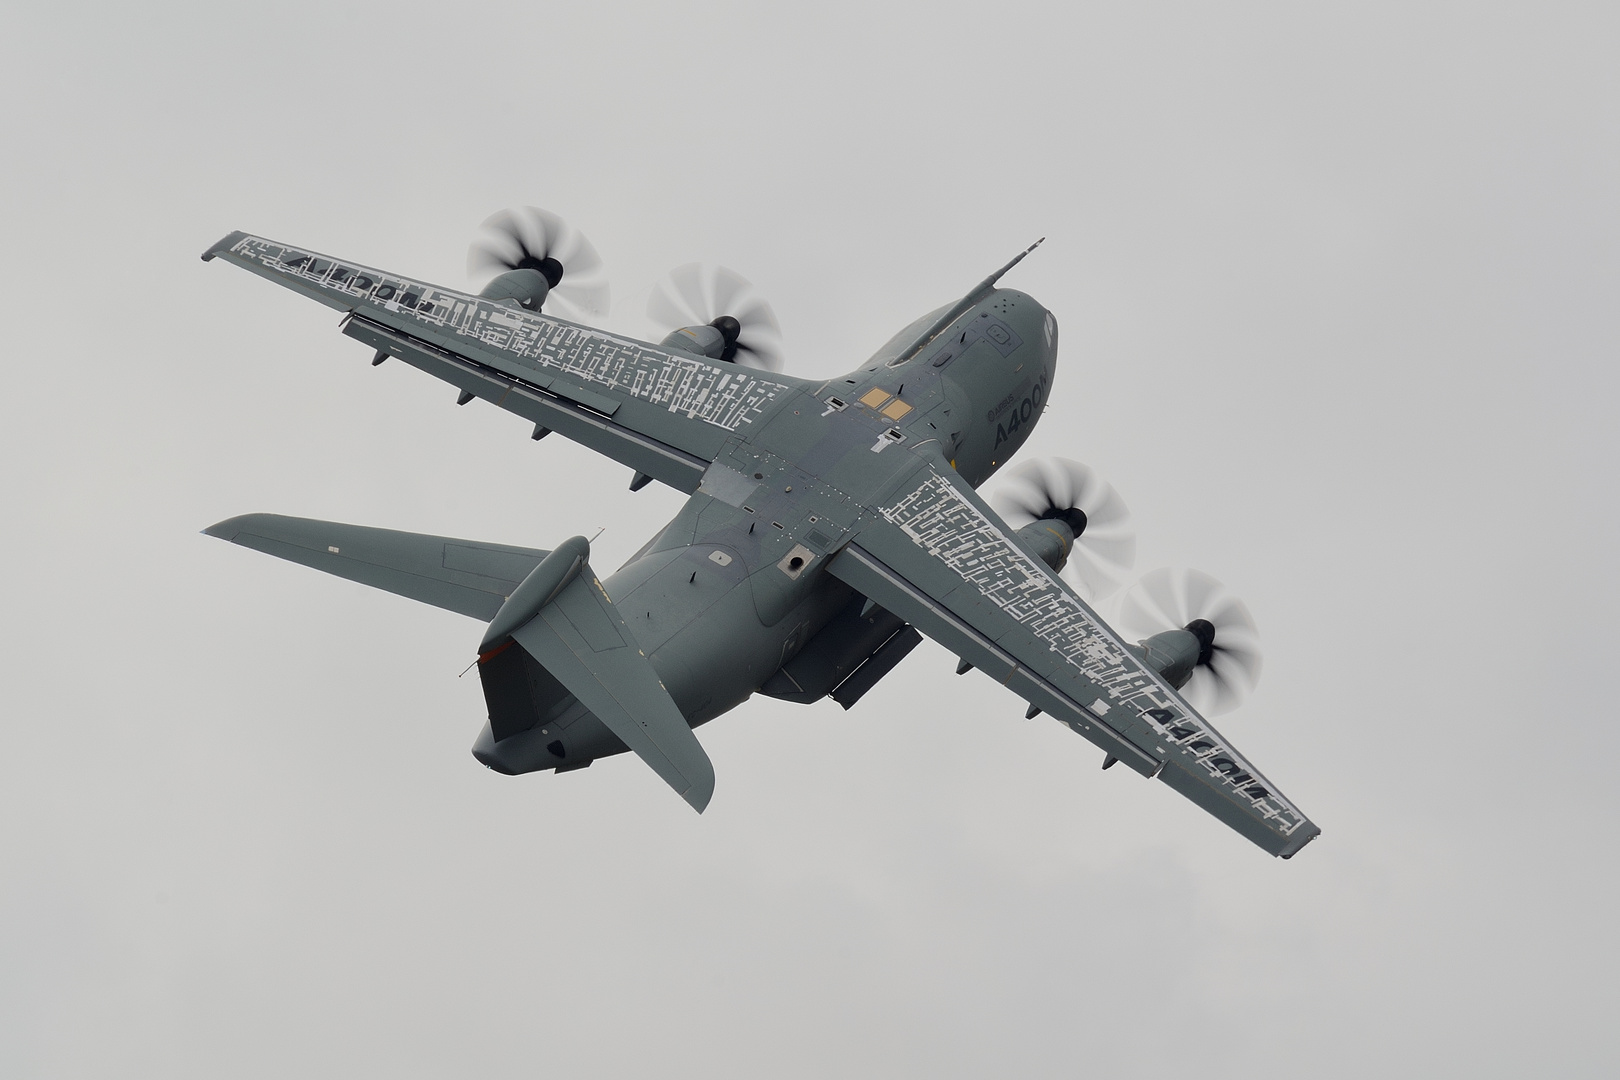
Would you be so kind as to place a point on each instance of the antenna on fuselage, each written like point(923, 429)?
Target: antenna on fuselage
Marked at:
point(977, 293)
point(988, 283)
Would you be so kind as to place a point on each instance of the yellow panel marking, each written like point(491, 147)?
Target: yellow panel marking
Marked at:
point(874, 397)
point(895, 409)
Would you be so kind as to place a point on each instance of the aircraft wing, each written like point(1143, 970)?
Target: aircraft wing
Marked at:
point(662, 413)
point(933, 553)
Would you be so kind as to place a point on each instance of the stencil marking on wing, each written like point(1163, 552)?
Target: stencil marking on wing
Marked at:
point(951, 529)
point(727, 397)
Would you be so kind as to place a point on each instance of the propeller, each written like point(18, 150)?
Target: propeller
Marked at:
point(1105, 543)
point(1229, 664)
point(528, 238)
point(697, 295)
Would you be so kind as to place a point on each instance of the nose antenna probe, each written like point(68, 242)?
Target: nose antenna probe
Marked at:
point(977, 293)
point(988, 283)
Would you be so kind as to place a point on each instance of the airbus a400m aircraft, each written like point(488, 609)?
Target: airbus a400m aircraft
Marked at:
point(830, 524)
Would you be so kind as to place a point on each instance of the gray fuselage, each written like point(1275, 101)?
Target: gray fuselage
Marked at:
point(733, 588)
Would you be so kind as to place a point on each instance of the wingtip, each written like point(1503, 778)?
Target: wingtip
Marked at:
point(229, 528)
point(224, 244)
point(1299, 844)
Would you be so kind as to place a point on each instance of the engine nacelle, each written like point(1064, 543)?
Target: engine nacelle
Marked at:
point(717, 340)
point(1050, 539)
point(528, 287)
point(697, 340)
point(1176, 654)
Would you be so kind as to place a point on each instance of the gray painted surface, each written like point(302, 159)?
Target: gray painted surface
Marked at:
point(949, 407)
point(1336, 289)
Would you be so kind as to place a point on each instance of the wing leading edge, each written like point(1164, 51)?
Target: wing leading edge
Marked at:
point(934, 554)
point(662, 413)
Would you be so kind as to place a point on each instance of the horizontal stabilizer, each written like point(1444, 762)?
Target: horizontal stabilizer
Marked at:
point(582, 642)
point(464, 576)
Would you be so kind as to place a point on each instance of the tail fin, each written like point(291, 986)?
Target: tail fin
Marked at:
point(563, 618)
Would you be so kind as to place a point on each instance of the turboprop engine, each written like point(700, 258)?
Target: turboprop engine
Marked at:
point(1073, 519)
point(712, 312)
point(1194, 633)
point(525, 285)
point(714, 339)
point(535, 251)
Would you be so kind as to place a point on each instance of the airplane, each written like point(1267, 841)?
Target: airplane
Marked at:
point(831, 524)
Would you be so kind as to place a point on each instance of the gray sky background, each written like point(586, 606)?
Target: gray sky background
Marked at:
point(1338, 295)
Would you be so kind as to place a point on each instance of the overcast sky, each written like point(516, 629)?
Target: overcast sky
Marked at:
point(1338, 290)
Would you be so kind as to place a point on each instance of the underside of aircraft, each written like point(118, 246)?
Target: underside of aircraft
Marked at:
point(830, 525)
